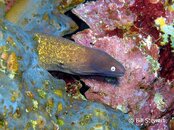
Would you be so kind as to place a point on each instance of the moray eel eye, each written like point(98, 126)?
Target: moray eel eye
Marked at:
point(113, 68)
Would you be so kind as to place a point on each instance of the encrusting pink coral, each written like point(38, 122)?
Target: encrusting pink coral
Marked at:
point(136, 91)
point(146, 13)
point(9, 4)
point(141, 93)
point(138, 74)
point(158, 108)
point(169, 16)
point(106, 15)
point(167, 61)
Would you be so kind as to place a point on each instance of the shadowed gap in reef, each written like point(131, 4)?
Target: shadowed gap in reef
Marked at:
point(81, 24)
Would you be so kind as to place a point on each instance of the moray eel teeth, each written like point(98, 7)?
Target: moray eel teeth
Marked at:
point(60, 54)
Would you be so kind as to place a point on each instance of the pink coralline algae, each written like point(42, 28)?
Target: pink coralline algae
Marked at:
point(169, 16)
point(138, 73)
point(141, 93)
point(167, 61)
point(136, 93)
point(159, 106)
point(106, 15)
point(9, 4)
point(146, 13)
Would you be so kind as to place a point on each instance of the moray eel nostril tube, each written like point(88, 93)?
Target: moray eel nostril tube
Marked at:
point(60, 54)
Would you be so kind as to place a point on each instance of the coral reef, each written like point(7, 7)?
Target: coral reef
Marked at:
point(124, 29)
point(106, 16)
point(167, 61)
point(165, 26)
point(141, 93)
point(23, 94)
point(93, 116)
point(167, 30)
point(146, 13)
point(9, 4)
point(140, 73)
point(30, 98)
point(65, 5)
point(39, 16)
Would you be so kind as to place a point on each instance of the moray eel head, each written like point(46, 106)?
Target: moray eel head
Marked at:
point(105, 65)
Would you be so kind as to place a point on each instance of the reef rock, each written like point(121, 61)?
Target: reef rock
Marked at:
point(9, 4)
point(105, 16)
point(139, 71)
point(39, 16)
point(23, 94)
point(141, 93)
point(30, 98)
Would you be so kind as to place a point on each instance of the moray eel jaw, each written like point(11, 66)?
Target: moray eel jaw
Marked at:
point(112, 73)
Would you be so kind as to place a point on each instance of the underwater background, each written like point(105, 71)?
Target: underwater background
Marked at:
point(115, 72)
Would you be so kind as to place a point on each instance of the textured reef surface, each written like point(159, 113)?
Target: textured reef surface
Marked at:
point(31, 98)
point(38, 16)
point(139, 33)
point(25, 85)
point(141, 92)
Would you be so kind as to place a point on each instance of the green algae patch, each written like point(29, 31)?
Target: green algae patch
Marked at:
point(86, 119)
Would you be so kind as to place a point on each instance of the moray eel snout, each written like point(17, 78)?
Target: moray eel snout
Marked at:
point(60, 54)
point(104, 64)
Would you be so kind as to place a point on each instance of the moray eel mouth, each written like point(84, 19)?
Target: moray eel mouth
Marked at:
point(111, 74)
point(103, 74)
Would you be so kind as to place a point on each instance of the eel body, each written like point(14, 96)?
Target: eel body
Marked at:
point(60, 54)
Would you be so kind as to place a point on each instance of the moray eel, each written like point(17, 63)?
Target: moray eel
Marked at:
point(60, 54)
